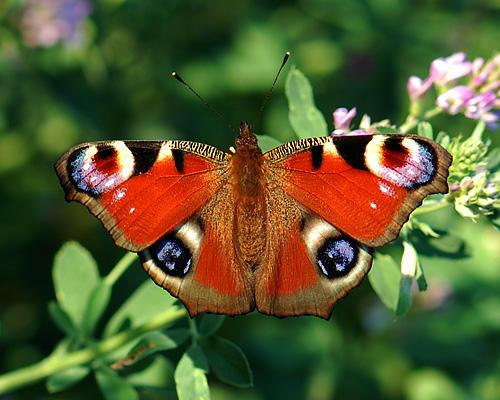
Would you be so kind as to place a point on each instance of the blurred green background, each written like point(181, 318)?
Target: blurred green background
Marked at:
point(105, 75)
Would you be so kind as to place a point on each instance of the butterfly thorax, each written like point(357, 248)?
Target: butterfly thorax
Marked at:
point(249, 190)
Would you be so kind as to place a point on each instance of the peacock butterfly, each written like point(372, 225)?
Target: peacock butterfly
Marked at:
point(288, 232)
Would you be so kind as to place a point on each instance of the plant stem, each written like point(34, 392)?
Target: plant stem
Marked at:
point(410, 124)
point(194, 330)
point(430, 207)
point(118, 270)
point(53, 364)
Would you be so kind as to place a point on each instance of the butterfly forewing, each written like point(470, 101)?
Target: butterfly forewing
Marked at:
point(141, 190)
point(364, 185)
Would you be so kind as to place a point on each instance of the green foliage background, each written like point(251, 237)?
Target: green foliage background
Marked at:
point(116, 85)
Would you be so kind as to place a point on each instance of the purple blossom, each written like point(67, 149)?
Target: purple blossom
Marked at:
point(342, 118)
point(46, 22)
point(449, 69)
point(357, 132)
point(455, 100)
point(483, 73)
point(492, 119)
point(479, 105)
point(417, 87)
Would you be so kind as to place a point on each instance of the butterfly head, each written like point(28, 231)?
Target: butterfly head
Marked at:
point(246, 137)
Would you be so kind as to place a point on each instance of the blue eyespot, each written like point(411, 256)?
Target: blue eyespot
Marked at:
point(337, 257)
point(172, 256)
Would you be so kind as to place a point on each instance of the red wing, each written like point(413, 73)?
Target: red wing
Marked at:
point(364, 185)
point(140, 190)
point(197, 262)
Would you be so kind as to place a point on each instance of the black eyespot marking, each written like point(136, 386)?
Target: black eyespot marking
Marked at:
point(337, 257)
point(105, 152)
point(394, 144)
point(179, 160)
point(144, 158)
point(172, 256)
point(352, 149)
point(317, 156)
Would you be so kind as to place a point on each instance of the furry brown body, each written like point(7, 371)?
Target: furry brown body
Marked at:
point(249, 188)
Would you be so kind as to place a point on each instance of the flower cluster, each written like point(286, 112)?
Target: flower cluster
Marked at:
point(342, 120)
point(47, 22)
point(468, 87)
point(478, 195)
point(474, 187)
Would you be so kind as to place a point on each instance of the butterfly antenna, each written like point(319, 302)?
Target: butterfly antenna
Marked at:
point(205, 103)
point(270, 92)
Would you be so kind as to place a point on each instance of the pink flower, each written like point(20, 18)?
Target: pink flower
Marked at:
point(455, 100)
point(416, 87)
point(479, 105)
point(46, 22)
point(342, 118)
point(482, 73)
point(492, 119)
point(449, 69)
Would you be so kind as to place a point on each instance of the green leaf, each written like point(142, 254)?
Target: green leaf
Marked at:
point(405, 295)
point(157, 374)
point(425, 130)
point(62, 320)
point(190, 379)
point(493, 159)
point(420, 277)
point(113, 386)
point(267, 143)
point(387, 130)
point(433, 384)
point(228, 363)
point(66, 378)
point(75, 276)
point(153, 342)
point(147, 301)
point(210, 323)
point(385, 277)
point(305, 118)
point(443, 139)
point(98, 301)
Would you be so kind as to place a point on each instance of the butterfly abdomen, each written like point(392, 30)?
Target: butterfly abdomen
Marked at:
point(249, 190)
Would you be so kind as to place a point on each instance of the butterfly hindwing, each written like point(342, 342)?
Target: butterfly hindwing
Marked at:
point(140, 190)
point(197, 262)
point(364, 185)
point(310, 265)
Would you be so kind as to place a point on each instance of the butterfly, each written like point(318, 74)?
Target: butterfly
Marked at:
point(288, 232)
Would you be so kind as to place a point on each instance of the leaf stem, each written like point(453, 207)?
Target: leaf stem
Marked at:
point(118, 270)
point(194, 330)
point(430, 207)
point(413, 122)
point(53, 364)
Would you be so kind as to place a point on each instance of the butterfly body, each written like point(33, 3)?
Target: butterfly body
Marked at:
point(288, 232)
point(249, 191)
